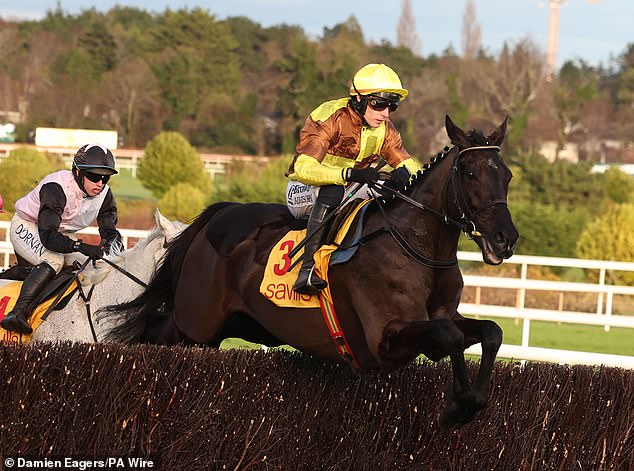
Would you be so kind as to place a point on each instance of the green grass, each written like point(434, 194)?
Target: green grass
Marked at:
point(581, 338)
point(127, 188)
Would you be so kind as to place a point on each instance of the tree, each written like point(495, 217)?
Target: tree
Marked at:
point(169, 160)
point(406, 35)
point(22, 171)
point(561, 184)
point(546, 230)
point(577, 86)
point(182, 202)
point(611, 237)
point(251, 183)
point(619, 185)
point(192, 56)
point(507, 86)
point(471, 33)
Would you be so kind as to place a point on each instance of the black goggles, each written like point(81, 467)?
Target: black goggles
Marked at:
point(94, 177)
point(379, 104)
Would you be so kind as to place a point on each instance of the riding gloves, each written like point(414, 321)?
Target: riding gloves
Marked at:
point(362, 175)
point(400, 178)
point(95, 252)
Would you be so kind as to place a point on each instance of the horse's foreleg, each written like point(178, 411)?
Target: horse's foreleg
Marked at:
point(436, 339)
point(489, 335)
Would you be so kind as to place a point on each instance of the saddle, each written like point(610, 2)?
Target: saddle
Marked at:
point(343, 241)
point(352, 238)
point(10, 283)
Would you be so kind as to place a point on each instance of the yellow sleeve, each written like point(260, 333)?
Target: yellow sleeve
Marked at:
point(411, 165)
point(308, 170)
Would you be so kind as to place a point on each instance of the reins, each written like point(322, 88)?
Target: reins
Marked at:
point(87, 297)
point(125, 272)
point(466, 223)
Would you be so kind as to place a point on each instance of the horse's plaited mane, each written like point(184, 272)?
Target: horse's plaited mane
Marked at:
point(475, 137)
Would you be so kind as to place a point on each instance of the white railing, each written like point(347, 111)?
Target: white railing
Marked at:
point(129, 237)
point(602, 315)
point(215, 164)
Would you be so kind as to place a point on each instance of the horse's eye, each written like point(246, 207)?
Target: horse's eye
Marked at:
point(469, 173)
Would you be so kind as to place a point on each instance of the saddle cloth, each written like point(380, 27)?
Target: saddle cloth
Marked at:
point(277, 282)
point(9, 292)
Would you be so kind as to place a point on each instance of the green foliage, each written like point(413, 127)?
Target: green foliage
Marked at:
point(77, 68)
point(182, 202)
point(100, 45)
point(253, 183)
point(192, 56)
point(547, 230)
point(561, 184)
point(611, 237)
point(619, 185)
point(169, 160)
point(21, 172)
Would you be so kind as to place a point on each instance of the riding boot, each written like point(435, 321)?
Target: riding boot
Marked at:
point(16, 320)
point(307, 280)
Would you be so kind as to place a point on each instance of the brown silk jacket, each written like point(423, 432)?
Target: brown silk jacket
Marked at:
point(334, 139)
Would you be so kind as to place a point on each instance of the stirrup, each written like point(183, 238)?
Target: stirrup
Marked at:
point(308, 286)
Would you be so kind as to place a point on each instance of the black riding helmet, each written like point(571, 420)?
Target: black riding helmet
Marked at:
point(95, 159)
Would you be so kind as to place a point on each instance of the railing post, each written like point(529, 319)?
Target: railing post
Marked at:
point(521, 300)
point(600, 297)
point(608, 311)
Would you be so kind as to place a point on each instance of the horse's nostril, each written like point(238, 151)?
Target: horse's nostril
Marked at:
point(499, 238)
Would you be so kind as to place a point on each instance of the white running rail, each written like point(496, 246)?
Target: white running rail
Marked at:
point(602, 314)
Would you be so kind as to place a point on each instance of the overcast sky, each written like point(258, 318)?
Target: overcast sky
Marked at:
point(592, 30)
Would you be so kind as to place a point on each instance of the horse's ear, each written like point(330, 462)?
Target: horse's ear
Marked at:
point(497, 137)
point(165, 224)
point(456, 135)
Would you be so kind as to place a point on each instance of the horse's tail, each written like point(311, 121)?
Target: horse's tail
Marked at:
point(155, 304)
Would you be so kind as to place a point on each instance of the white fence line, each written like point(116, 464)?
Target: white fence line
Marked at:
point(602, 316)
point(215, 164)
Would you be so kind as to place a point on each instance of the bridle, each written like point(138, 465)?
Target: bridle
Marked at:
point(468, 216)
point(466, 221)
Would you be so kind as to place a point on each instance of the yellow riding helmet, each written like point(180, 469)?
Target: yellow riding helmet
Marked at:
point(377, 78)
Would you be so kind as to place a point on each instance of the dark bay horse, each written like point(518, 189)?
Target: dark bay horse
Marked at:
point(395, 299)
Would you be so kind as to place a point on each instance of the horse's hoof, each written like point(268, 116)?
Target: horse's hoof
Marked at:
point(453, 415)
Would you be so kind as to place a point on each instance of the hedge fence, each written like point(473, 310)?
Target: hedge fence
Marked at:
point(201, 409)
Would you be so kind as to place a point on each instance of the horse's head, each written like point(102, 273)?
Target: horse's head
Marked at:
point(480, 183)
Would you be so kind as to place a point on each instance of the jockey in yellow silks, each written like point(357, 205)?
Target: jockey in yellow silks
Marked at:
point(337, 145)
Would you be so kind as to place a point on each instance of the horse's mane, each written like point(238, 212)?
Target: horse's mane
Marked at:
point(158, 298)
point(476, 137)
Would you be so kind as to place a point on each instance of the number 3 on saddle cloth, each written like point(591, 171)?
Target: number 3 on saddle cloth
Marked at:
point(277, 283)
point(9, 292)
